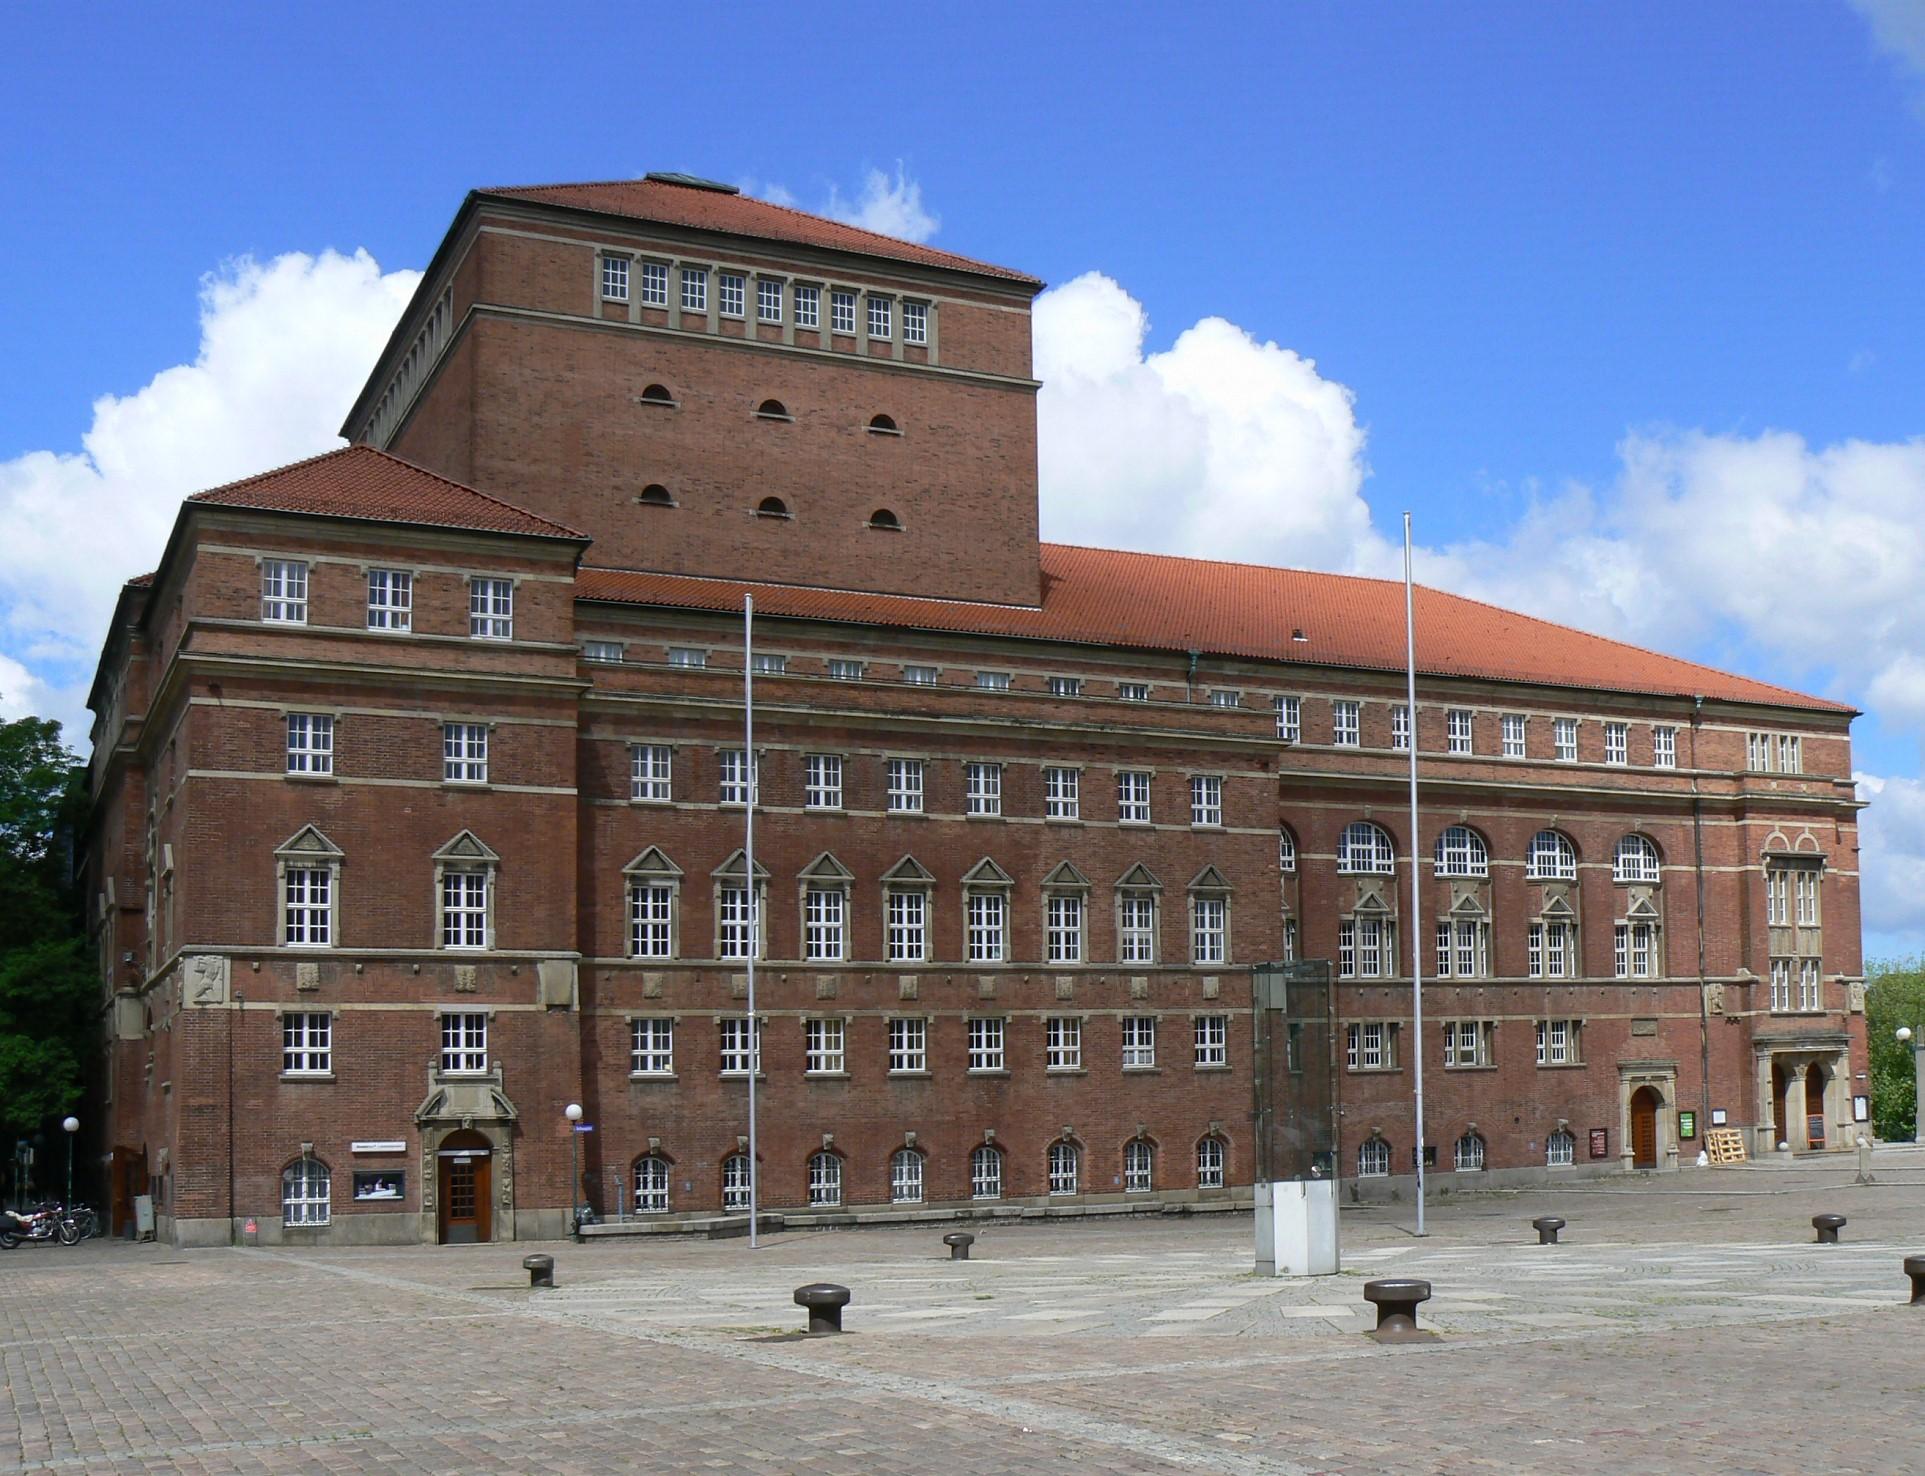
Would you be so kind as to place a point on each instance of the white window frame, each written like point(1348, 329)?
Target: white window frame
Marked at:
point(1133, 691)
point(464, 753)
point(654, 291)
point(307, 1194)
point(808, 307)
point(825, 1046)
point(825, 1180)
point(1555, 860)
point(391, 600)
point(651, 917)
point(986, 1172)
point(284, 586)
point(906, 924)
point(466, 908)
point(825, 924)
point(1553, 949)
point(1139, 1042)
point(822, 781)
point(651, 768)
point(1460, 728)
point(1513, 735)
point(1560, 1149)
point(1346, 723)
point(1664, 747)
point(737, 1048)
point(988, 1041)
point(1635, 859)
point(915, 322)
point(695, 289)
point(1373, 1159)
point(1133, 797)
point(1617, 743)
point(1062, 794)
point(1065, 1169)
point(731, 294)
point(1564, 740)
point(307, 1043)
point(1467, 1154)
point(905, 1177)
point(768, 300)
point(921, 676)
point(614, 279)
point(905, 786)
point(1290, 719)
point(1206, 801)
point(651, 1046)
point(1365, 849)
point(692, 658)
point(987, 914)
point(844, 669)
point(1559, 1042)
point(1225, 697)
point(1461, 851)
point(1063, 1043)
point(307, 906)
point(842, 311)
point(733, 780)
point(1209, 1163)
point(1209, 928)
point(310, 743)
point(1139, 1167)
point(1063, 926)
point(738, 919)
point(1136, 932)
point(908, 1046)
point(1400, 727)
point(1212, 1040)
point(464, 1043)
point(652, 1180)
point(982, 788)
point(491, 608)
point(882, 317)
point(735, 1182)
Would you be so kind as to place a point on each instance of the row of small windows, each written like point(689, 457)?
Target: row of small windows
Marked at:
point(1346, 731)
point(661, 395)
point(1467, 1154)
point(1365, 848)
point(656, 495)
point(310, 748)
point(390, 599)
point(775, 299)
point(1376, 1045)
point(1367, 948)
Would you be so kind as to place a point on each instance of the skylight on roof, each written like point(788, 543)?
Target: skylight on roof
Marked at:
point(690, 181)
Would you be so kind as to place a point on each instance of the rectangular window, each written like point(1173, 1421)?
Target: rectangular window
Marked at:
point(1133, 691)
point(310, 743)
point(307, 1044)
point(823, 1053)
point(734, 927)
point(1791, 758)
point(651, 908)
point(766, 664)
point(915, 322)
point(1513, 735)
point(1062, 794)
point(1133, 797)
point(648, 771)
point(1777, 898)
point(1635, 950)
point(1065, 686)
point(1758, 751)
point(822, 781)
point(1370, 1046)
point(808, 307)
point(1617, 747)
point(1206, 799)
point(1063, 919)
point(308, 906)
point(1557, 1042)
point(1457, 730)
point(732, 767)
point(983, 789)
point(1780, 985)
point(1063, 1044)
point(1808, 985)
point(909, 1044)
point(1551, 950)
point(609, 652)
point(1209, 929)
point(654, 284)
point(464, 909)
point(988, 917)
point(687, 656)
point(844, 670)
point(1461, 949)
point(768, 301)
point(464, 753)
point(1139, 1042)
point(993, 681)
point(1136, 927)
point(491, 609)
point(1400, 727)
point(1364, 948)
point(695, 289)
point(464, 1045)
point(919, 676)
point(1212, 1041)
point(1290, 719)
point(615, 278)
point(728, 292)
point(1467, 1043)
point(986, 1045)
point(908, 926)
point(741, 1053)
point(284, 591)
point(1807, 889)
point(842, 312)
point(1223, 697)
point(1289, 940)
point(1664, 747)
point(881, 318)
point(1344, 728)
point(905, 786)
point(651, 1047)
point(390, 599)
point(824, 924)
point(1564, 739)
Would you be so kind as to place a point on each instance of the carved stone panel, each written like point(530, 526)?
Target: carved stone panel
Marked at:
point(204, 980)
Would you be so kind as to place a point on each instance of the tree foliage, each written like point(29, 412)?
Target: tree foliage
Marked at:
point(1894, 996)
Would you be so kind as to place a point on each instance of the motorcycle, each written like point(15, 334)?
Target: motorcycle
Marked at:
point(48, 1221)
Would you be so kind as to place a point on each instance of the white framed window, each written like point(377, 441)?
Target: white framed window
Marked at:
point(909, 1045)
point(1136, 927)
point(1346, 730)
point(1467, 1043)
point(1209, 929)
point(1063, 1043)
point(1777, 897)
point(908, 925)
point(1062, 794)
point(1139, 1164)
point(1564, 739)
point(1289, 940)
point(1400, 727)
point(825, 1176)
point(1370, 1046)
point(1463, 949)
point(1364, 849)
point(651, 915)
point(920, 676)
point(464, 909)
point(824, 924)
point(1133, 691)
point(1212, 1041)
point(982, 789)
point(1290, 719)
point(822, 781)
point(1557, 1042)
point(1458, 730)
point(464, 753)
point(905, 1177)
point(1635, 860)
point(740, 1053)
point(729, 288)
point(1780, 985)
point(1065, 686)
point(1664, 747)
point(1224, 697)
point(654, 284)
point(824, 1047)
point(1636, 950)
point(881, 317)
point(842, 312)
point(1551, 857)
point(615, 278)
point(735, 927)
point(1810, 982)
point(1133, 797)
point(651, 1185)
point(649, 768)
point(767, 663)
point(1063, 926)
point(1366, 948)
point(732, 770)
point(1206, 799)
point(1806, 887)
point(310, 743)
point(1513, 732)
point(606, 653)
point(735, 1182)
point(491, 609)
point(993, 681)
point(307, 1193)
point(986, 1173)
point(986, 1043)
point(307, 1043)
point(284, 591)
point(1791, 758)
point(988, 918)
point(1064, 1165)
point(464, 1044)
point(842, 669)
point(768, 301)
point(904, 786)
point(1758, 751)
point(1467, 1155)
point(390, 599)
point(1617, 743)
point(1560, 1150)
point(695, 289)
point(1553, 950)
point(1461, 852)
point(1139, 1042)
point(1209, 1163)
point(915, 322)
point(651, 1047)
point(1286, 852)
point(1373, 1159)
point(307, 906)
point(808, 307)
point(687, 656)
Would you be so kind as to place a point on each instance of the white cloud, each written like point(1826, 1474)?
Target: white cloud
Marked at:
point(892, 207)
point(284, 347)
point(1898, 26)
point(1891, 838)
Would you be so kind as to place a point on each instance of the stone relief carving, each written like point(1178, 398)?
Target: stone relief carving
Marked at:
point(204, 980)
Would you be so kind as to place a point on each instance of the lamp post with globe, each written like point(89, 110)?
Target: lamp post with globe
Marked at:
point(573, 1112)
point(1905, 1037)
point(72, 1126)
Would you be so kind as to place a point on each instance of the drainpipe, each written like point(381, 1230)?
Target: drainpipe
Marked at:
point(1704, 1008)
point(1189, 679)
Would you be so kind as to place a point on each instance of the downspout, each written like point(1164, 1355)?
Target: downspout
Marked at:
point(1189, 678)
point(1704, 1003)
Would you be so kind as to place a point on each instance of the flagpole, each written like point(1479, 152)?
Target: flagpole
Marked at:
point(1416, 873)
point(748, 875)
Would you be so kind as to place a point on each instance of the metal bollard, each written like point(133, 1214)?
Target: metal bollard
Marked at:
point(1397, 1300)
point(1915, 1268)
point(1827, 1227)
point(1547, 1227)
point(541, 1271)
point(959, 1242)
point(824, 1301)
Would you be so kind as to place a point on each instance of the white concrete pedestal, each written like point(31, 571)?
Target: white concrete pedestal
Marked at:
point(1297, 1228)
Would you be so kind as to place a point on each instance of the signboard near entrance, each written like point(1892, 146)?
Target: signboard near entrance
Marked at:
point(1687, 1125)
point(1600, 1142)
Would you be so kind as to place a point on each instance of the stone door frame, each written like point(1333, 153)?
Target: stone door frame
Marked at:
point(501, 1147)
point(1662, 1078)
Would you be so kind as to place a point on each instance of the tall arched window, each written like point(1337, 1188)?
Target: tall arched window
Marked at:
point(1364, 848)
point(651, 1185)
point(1552, 857)
point(1373, 1159)
point(1209, 1163)
point(1635, 860)
point(905, 1177)
point(735, 1182)
point(1461, 852)
point(825, 1179)
point(1139, 1167)
point(1063, 1176)
point(307, 1193)
point(1286, 851)
point(986, 1173)
point(1468, 1156)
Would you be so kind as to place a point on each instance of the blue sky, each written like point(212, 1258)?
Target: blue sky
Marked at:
point(1572, 265)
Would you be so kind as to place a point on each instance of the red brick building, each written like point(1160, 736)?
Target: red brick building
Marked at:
point(420, 779)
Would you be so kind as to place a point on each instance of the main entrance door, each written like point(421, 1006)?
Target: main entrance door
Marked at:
point(464, 1162)
point(1815, 1106)
point(1644, 1128)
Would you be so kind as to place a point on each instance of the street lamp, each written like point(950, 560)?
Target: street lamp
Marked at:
point(1904, 1033)
point(72, 1125)
point(573, 1112)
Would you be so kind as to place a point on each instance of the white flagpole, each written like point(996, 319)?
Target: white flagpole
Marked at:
point(755, 901)
point(1416, 872)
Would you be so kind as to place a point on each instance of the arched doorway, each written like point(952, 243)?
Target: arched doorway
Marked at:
point(464, 1179)
point(1644, 1127)
point(1814, 1106)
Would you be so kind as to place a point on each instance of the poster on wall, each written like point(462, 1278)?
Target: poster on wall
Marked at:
point(1717, 1117)
point(1600, 1142)
point(372, 1186)
point(1861, 1109)
point(1687, 1124)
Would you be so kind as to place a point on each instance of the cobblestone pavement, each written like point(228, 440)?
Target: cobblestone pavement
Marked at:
point(1688, 1323)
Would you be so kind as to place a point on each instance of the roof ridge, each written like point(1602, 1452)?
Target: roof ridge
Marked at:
point(472, 491)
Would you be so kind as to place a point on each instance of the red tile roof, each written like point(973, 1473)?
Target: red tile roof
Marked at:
point(719, 208)
point(1158, 602)
point(372, 486)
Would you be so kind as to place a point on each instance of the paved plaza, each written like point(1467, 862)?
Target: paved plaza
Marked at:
point(1688, 1323)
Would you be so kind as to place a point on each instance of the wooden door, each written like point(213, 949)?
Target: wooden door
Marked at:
point(1644, 1129)
point(464, 1162)
point(1815, 1106)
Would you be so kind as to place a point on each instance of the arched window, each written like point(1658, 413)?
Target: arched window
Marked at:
point(905, 1177)
point(825, 1179)
point(307, 1193)
point(1139, 1165)
point(1364, 848)
point(1468, 1156)
point(1286, 851)
point(651, 1185)
point(1635, 860)
point(882, 425)
point(772, 410)
point(772, 507)
point(884, 519)
point(1062, 1168)
point(656, 495)
point(1461, 852)
point(1560, 1150)
point(986, 1173)
point(1373, 1159)
point(735, 1182)
point(1552, 857)
point(657, 394)
point(1209, 1163)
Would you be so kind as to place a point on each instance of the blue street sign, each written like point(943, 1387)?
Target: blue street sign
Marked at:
point(584, 1127)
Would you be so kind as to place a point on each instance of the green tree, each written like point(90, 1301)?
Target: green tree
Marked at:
point(1894, 996)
